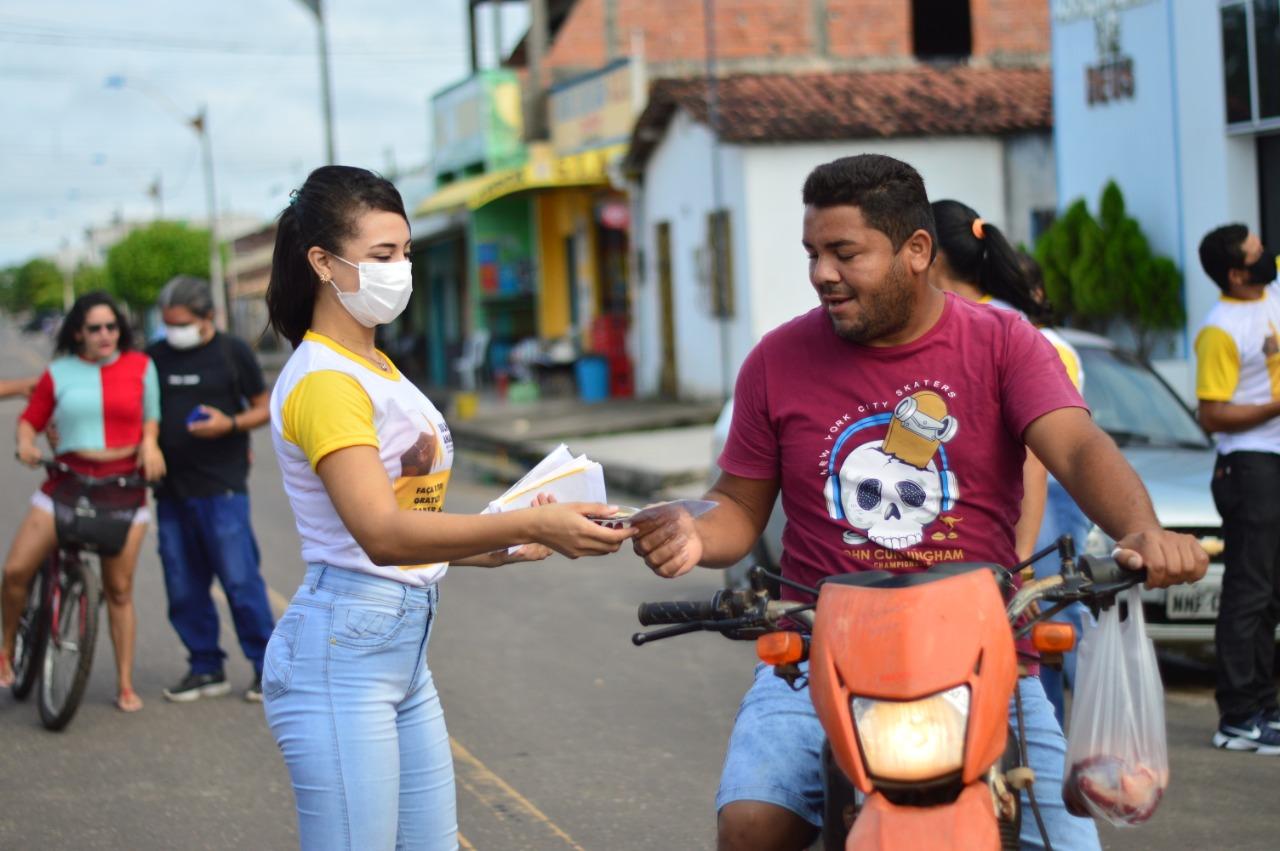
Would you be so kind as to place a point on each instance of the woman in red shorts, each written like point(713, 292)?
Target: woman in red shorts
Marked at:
point(103, 397)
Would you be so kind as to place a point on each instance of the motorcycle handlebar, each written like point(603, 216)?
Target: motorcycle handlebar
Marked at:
point(1107, 571)
point(675, 611)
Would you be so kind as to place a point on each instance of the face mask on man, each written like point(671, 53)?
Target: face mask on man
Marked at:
point(1264, 270)
point(183, 336)
point(384, 291)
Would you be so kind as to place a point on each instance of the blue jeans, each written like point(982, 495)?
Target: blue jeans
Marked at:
point(1062, 517)
point(204, 537)
point(353, 707)
point(775, 754)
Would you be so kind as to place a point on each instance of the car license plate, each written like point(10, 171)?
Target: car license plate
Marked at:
point(1193, 602)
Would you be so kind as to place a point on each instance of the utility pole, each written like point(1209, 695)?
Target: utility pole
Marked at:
point(216, 277)
point(326, 93)
point(536, 47)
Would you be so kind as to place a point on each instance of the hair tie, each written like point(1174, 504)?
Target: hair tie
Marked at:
point(977, 228)
point(293, 197)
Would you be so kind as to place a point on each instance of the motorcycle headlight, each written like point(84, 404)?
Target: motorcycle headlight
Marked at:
point(914, 740)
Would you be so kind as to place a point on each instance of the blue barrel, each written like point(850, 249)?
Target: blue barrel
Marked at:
point(592, 373)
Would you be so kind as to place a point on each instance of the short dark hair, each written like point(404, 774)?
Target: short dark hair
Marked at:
point(187, 291)
point(889, 192)
point(66, 344)
point(1222, 250)
point(322, 212)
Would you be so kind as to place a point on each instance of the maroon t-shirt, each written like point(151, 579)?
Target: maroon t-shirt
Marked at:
point(895, 458)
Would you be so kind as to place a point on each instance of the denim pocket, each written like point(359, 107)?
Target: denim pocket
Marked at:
point(366, 625)
point(277, 665)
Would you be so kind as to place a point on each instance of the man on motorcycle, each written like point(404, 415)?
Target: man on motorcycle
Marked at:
point(894, 419)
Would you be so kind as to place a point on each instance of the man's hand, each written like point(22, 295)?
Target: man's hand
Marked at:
point(216, 425)
point(1171, 558)
point(670, 546)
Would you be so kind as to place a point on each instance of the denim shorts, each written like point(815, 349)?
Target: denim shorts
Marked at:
point(775, 755)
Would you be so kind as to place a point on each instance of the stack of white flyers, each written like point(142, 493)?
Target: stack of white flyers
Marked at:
point(560, 474)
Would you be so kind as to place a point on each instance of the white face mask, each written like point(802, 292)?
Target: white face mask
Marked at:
point(183, 336)
point(384, 292)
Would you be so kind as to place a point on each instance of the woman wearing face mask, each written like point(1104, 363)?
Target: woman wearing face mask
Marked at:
point(103, 397)
point(977, 262)
point(366, 460)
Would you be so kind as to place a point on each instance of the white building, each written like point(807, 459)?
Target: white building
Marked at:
point(977, 135)
point(1175, 100)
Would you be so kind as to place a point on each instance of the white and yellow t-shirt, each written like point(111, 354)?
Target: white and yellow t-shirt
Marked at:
point(328, 398)
point(1066, 352)
point(1238, 361)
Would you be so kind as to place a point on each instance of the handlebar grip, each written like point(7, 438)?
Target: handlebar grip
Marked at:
point(675, 611)
point(1107, 571)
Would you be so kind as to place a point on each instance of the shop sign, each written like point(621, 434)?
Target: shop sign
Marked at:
point(594, 110)
point(477, 122)
point(1111, 78)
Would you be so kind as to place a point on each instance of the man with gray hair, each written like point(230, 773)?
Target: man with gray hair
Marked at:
point(211, 395)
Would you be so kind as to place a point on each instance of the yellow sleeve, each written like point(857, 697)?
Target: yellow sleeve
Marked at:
point(327, 411)
point(1217, 365)
point(1070, 360)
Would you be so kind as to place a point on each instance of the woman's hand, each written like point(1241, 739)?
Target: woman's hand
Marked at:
point(28, 453)
point(152, 460)
point(564, 527)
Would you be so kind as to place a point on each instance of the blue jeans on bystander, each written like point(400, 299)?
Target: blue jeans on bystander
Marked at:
point(1062, 517)
point(204, 537)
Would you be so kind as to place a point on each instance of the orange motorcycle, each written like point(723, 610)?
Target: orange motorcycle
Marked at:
point(911, 675)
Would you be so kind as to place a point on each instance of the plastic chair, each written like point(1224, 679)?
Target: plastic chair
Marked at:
point(472, 359)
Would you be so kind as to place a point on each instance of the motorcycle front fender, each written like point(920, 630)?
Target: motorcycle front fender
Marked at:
point(967, 823)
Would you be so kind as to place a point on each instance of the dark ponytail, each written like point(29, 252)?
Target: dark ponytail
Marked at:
point(979, 254)
point(324, 213)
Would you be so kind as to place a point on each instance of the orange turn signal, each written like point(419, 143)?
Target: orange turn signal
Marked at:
point(1053, 637)
point(780, 648)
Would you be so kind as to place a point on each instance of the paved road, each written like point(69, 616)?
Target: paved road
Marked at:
point(566, 736)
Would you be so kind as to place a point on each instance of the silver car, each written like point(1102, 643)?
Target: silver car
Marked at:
point(1161, 439)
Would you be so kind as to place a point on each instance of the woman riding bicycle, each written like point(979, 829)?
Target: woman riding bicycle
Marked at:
point(103, 398)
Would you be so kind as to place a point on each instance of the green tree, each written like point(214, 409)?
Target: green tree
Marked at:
point(141, 263)
point(35, 285)
point(1103, 269)
point(88, 278)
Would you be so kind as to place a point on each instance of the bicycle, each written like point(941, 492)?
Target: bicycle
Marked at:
point(58, 629)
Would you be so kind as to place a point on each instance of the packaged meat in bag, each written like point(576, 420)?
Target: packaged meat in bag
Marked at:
point(1117, 754)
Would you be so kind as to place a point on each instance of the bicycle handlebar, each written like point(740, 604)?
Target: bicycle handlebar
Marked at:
point(53, 465)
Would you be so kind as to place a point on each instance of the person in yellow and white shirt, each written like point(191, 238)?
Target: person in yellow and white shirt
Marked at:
point(976, 261)
point(1238, 387)
point(366, 459)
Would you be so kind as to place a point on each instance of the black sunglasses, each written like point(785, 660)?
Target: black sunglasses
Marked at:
point(109, 327)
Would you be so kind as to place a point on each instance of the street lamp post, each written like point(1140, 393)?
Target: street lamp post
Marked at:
point(200, 124)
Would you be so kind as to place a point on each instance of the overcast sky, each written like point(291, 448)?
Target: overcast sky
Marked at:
point(75, 152)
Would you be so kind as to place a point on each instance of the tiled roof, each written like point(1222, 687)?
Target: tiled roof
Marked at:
point(921, 101)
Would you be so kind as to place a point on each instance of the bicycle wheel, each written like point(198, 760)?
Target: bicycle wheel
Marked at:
point(69, 641)
point(28, 644)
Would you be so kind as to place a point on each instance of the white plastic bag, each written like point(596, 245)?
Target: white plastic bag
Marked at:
point(1117, 756)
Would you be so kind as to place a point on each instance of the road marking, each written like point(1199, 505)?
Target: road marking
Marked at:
point(464, 844)
point(500, 797)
